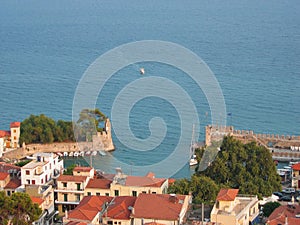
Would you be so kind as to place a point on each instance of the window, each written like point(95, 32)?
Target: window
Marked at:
point(119, 223)
point(28, 181)
point(27, 172)
point(64, 184)
point(33, 182)
point(115, 222)
point(144, 192)
point(116, 192)
point(42, 181)
point(134, 193)
point(89, 193)
point(97, 193)
point(78, 186)
point(15, 138)
point(65, 197)
point(153, 192)
point(109, 222)
point(8, 193)
point(106, 194)
point(77, 196)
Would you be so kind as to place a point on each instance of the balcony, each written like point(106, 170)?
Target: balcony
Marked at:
point(67, 202)
point(70, 190)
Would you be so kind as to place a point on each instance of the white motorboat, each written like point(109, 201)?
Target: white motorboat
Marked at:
point(193, 157)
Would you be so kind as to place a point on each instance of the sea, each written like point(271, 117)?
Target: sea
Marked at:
point(251, 49)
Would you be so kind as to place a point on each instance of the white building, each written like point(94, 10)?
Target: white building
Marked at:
point(1, 146)
point(42, 169)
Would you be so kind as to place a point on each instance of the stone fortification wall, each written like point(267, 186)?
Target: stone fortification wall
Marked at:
point(101, 141)
point(216, 133)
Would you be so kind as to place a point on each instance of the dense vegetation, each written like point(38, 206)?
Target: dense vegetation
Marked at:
point(248, 167)
point(69, 170)
point(18, 208)
point(42, 129)
point(269, 207)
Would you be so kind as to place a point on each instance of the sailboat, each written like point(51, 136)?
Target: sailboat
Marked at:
point(193, 157)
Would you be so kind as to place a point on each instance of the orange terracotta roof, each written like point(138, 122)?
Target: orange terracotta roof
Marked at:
point(89, 207)
point(99, 183)
point(36, 200)
point(67, 178)
point(145, 181)
point(171, 181)
point(82, 169)
point(119, 208)
point(4, 167)
point(4, 133)
point(279, 215)
point(296, 166)
point(13, 184)
point(15, 124)
point(227, 194)
point(159, 206)
point(3, 175)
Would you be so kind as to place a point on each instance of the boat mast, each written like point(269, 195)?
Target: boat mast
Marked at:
point(192, 142)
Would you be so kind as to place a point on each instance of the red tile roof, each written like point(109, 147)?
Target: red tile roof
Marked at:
point(227, 194)
point(279, 215)
point(99, 183)
point(158, 206)
point(3, 175)
point(145, 181)
point(36, 200)
point(296, 166)
point(76, 223)
point(4, 133)
point(119, 208)
point(89, 207)
point(171, 181)
point(15, 124)
point(82, 169)
point(5, 167)
point(67, 178)
point(13, 184)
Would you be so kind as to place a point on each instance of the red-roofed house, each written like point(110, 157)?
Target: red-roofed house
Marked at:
point(160, 208)
point(124, 185)
point(83, 171)
point(285, 214)
point(232, 209)
point(119, 210)
point(12, 185)
point(98, 187)
point(88, 210)
point(296, 176)
point(10, 139)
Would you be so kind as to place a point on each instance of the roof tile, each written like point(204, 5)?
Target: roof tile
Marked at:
point(227, 194)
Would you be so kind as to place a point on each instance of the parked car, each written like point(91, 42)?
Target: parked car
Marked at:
point(289, 191)
point(278, 194)
point(286, 198)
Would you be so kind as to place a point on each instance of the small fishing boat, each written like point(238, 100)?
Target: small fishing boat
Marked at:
point(142, 71)
point(94, 153)
point(102, 153)
point(66, 154)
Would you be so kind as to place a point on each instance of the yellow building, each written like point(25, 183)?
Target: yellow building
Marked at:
point(233, 209)
point(70, 188)
point(124, 185)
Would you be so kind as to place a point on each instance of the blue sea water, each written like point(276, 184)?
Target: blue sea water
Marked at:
point(252, 47)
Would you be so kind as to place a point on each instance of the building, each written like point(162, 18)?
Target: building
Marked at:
point(10, 138)
point(43, 195)
point(296, 176)
point(98, 187)
point(89, 210)
point(70, 188)
point(119, 211)
point(4, 180)
point(42, 169)
point(231, 208)
point(124, 185)
point(168, 209)
point(285, 214)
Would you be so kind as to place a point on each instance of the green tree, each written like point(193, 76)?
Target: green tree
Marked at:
point(69, 170)
point(248, 167)
point(204, 189)
point(18, 209)
point(269, 207)
point(181, 186)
